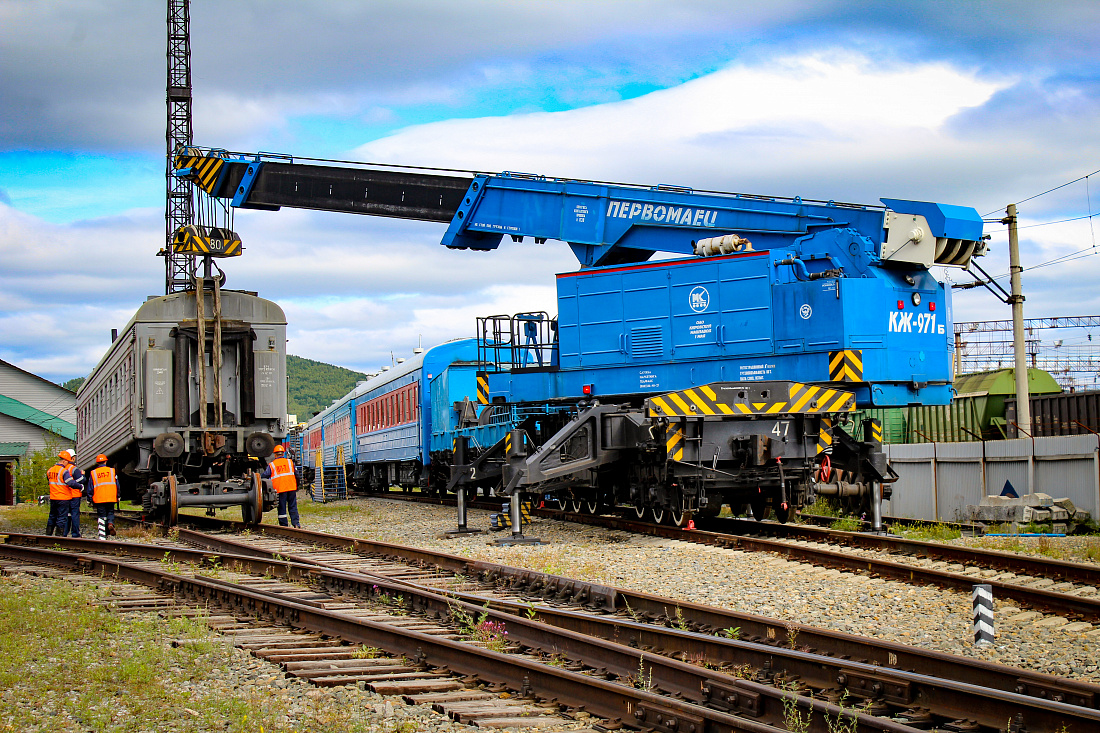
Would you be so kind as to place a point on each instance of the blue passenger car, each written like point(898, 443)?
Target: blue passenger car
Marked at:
point(393, 429)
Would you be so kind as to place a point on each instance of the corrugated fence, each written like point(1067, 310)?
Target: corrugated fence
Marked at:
point(938, 480)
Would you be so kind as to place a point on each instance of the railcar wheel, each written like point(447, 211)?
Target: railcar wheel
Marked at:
point(677, 517)
point(759, 508)
point(781, 514)
point(576, 506)
point(657, 514)
point(172, 511)
point(639, 512)
point(592, 507)
point(252, 511)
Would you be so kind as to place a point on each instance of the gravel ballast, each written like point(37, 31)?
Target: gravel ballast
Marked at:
point(757, 583)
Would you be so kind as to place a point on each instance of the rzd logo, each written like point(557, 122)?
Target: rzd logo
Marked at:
point(903, 322)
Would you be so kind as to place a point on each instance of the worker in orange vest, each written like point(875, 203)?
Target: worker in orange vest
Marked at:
point(281, 472)
point(104, 495)
point(74, 479)
point(60, 494)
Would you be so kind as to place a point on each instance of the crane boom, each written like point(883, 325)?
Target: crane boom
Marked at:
point(605, 224)
point(260, 183)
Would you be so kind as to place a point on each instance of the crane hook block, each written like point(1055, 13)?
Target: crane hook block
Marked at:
point(192, 239)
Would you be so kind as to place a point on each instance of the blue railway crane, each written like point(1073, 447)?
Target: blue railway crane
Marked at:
point(720, 373)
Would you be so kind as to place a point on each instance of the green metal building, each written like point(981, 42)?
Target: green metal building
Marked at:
point(976, 413)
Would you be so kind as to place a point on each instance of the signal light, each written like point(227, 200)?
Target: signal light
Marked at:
point(901, 305)
point(587, 389)
point(932, 306)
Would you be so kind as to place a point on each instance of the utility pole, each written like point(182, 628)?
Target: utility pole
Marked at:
point(178, 268)
point(1016, 299)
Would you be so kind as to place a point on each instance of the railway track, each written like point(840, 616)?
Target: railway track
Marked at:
point(893, 522)
point(910, 686)
point(1055, 587)
point(314, 657)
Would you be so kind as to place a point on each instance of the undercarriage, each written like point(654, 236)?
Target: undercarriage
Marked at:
point(768, 445)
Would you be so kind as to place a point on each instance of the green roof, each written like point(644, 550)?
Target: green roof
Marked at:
point(1003, 382)
point(14, 449)
point(21, 411)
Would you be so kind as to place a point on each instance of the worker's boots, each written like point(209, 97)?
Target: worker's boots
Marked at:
point(111, 529)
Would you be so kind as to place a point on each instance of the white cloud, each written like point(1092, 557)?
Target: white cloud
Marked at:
point(353, 288)
point(356, 288)
point(779, 124)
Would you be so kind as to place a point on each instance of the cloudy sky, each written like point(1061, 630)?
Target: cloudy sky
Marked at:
point(976, 103)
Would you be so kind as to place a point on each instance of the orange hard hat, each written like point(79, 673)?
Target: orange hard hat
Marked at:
point(101, 458)
point(279, 449)
point(67, 455)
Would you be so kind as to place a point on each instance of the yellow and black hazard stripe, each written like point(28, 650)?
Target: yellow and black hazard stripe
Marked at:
point(846, 365)
point(505, 517)
point(704, 401)
point(875, 433)
point(205, 169)
point(825, 436)
point(812, 398)
point(482, 388)
point(195, 240)
point(674, 442)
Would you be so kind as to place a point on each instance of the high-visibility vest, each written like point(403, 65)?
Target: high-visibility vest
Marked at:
point(282, 475)
point(104, 485)
point(59, 490)
point(73, 493)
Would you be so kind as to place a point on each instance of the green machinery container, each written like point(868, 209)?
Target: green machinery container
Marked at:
point(976, 413)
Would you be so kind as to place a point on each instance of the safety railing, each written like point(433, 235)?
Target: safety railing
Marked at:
point(331, 482)
point(521, 341)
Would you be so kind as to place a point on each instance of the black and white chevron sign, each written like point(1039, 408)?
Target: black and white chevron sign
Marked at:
point(983, 614)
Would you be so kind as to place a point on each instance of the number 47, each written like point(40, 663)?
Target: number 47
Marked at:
point(780, 429)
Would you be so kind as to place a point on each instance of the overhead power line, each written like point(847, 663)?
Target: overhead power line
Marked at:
point(1049, 190)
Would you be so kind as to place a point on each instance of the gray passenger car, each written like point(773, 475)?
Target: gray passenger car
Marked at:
point(143, 407)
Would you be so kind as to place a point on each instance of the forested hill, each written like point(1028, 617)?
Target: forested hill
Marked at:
point(313, 385)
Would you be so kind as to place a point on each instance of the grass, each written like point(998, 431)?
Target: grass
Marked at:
point(928, 532)
point(492, 634)
point(558, 560)
point(794, 718)
point(307, 510)
point(98, 671)
point(24, 518)
point(1086, 548)
point(847, 524)
point(822, 507)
